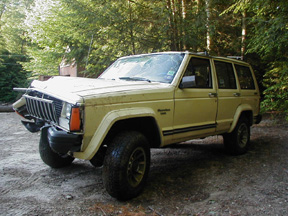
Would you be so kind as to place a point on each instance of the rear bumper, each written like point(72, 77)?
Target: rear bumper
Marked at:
point(63, 142)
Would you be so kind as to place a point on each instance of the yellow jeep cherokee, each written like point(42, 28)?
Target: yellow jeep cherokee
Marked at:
point(141, 102)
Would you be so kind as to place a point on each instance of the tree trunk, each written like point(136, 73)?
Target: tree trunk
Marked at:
point(183, 5)
point(244, 29)
point(131, 29)
point(2, 10)
point(208, 36)
point(172, 25)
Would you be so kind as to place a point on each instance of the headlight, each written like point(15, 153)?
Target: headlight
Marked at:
point(71, 117)
point(68, 111)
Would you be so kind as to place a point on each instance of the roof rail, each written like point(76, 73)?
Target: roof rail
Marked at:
point(235, 57)
point(203, 53)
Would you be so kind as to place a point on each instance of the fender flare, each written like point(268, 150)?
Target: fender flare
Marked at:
point(240, 109)
point(106, 124)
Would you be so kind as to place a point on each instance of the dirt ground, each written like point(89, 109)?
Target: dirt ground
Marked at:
point(197, 178)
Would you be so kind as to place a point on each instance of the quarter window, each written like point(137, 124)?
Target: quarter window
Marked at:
point(199, 71)
point(225, 75)
point(245, 77)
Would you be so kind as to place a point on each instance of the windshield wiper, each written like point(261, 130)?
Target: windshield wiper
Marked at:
point(135, 79)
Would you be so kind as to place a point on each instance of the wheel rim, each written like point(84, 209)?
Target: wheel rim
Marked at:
point(136, 167)
point(243, 135)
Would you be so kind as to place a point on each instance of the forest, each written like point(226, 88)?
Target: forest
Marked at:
point(37, 35)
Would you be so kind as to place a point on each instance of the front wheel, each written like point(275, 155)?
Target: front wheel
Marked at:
point(48, 156)
point(237, 142)
point(126, 165)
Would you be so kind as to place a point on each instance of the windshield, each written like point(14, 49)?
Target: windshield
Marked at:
point(151, 68)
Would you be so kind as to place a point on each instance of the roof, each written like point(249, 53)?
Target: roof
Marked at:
point(204, 54)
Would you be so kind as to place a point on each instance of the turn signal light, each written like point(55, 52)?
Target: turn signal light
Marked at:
point(19, 114)
point(75, 120)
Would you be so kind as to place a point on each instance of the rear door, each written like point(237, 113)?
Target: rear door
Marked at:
point(229, 97)
point(248, 87)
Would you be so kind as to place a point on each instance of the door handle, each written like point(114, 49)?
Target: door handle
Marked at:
point(237, 94)
point(212, 94)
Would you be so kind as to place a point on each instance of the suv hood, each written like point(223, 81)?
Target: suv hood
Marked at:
point(77, 89)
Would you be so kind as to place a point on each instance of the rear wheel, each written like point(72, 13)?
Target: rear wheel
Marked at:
point(238, 141)
point(126, 165)
point(48, 156)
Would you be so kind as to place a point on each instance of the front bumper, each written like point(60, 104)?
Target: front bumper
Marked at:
point(257, 119)
point(63, 142)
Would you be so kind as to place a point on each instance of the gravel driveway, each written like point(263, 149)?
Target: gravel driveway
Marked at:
point(197, 178)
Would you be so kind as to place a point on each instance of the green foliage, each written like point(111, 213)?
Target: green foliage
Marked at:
point(115, 28)
point(12, 48)
point(268, 38)
point(11, 75)
point(226, 31)
point(276, 94)
point(12, 16)
point(94, 33)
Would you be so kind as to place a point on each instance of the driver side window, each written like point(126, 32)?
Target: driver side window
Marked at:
point(199, 72)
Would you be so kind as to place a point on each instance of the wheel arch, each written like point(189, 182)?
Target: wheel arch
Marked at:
point(244, 110)
point(146, 125)
point(139, 119)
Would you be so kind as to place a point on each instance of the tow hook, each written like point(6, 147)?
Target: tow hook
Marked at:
point(33, 127)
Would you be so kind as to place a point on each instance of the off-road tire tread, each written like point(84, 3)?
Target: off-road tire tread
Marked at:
point(231, 140)
point(115, 163)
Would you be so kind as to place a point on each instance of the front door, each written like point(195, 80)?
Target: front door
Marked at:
point(196, 105)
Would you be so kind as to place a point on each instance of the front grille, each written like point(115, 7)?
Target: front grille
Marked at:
point(56, 101)
point(45, 107)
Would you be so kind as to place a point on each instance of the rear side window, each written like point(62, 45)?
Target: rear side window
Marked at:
point(225, 75)
point(245, 77)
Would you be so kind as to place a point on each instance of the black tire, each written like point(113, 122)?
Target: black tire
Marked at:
point(126, 165)
point(238, 142)
point(48, 156)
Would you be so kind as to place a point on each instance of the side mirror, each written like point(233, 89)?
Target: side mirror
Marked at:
point(188, 82)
